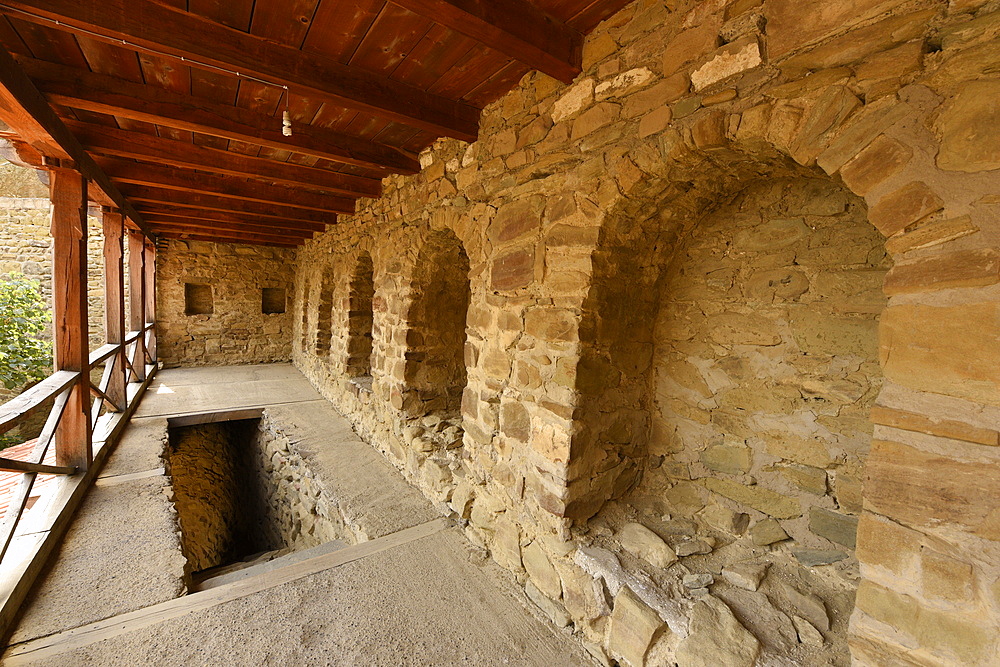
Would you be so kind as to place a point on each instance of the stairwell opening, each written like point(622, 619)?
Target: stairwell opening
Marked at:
point(243, 495)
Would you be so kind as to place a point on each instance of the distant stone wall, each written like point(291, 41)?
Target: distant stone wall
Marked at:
point(194, 278)
point(26, 247)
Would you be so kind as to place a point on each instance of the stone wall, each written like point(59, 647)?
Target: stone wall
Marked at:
point(236, 331)
point(682, 110)
point(26, 247)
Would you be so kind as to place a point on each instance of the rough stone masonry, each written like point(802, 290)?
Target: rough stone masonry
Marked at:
point(728, 388)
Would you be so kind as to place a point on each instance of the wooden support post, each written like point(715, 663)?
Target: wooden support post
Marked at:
point(114, 301)
point(69, 306)
point(137, 297)
point(149, 262)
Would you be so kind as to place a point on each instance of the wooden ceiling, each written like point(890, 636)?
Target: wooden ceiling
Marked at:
point(179, 103)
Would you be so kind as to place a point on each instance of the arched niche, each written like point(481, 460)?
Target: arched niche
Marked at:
point(361, 291)
point(435, 373)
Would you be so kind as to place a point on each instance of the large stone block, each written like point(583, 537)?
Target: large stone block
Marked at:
point(834, 526)
point(925, 490)
point(882, 159)
point(953, 350)
point(632, 629)
point(717, 638)
point(969, 140)
point(761, 499)
point(885, 543)
point(963, 268)
point(792, 23)
point(909, 204)
point(728, 61)
point(514, 270)
point(515, 220)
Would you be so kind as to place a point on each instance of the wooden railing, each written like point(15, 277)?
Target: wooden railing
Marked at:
point(90, 395)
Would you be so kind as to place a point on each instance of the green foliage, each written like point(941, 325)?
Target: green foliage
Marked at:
point(25, 355)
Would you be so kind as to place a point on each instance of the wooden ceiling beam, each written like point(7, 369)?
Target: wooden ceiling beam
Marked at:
point(206, 227)
point(121, 143)
point(186, 213)
point(235, 239)
point(513, 27)
point(215, 186)
point(145, 196)
point(28, 114)
point(156, 27)
point(89, 91)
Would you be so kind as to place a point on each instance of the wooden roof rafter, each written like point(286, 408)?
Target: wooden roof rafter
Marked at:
point(202, 43)
point(89, 91)
point(121, 143)
point(176, 184)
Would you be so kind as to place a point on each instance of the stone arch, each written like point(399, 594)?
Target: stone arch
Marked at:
point(435, 372)
point(324, 312)
point(360, 320)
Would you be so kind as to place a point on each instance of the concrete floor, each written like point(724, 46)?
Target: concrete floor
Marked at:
point(417, 594)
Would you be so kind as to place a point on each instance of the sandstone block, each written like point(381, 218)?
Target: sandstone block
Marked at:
point(555, 611)
point(882, 159)
point(860, 130)
point(946, 428)
point(945, 350)
point(931, 233)
point(815, 557)
point(632, 629)
point(709, 131)
point(724, 519)
point(730, 60)
point(623, 83)
point(689, 45)
point(792, 23)
point(968, 140)
point(887, 544)
point(807, 478)
point(730, 460)
point(834, 105)
point(746, 575)
point(963, 268)
point(669, 90)
point(515, 220)
point(759, 498)
point(541, 571)
point(551, 324)
point(816, 332)
point(771, 236)
point(848, 490)
point(593, 119)
point(717, 638)
point(514, 270)
point(899, 209)
point(739, 329)
point(767, 532)
point(946, 578)
point(859, 43)
point(578, 97)
point(896, 62)
point(836, 527)
point(924, 489)
point(654, 121)
point(646, 544)
point(808, 634)
point(515, 422)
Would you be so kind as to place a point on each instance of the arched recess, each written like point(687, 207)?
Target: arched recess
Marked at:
point(360, 318)
point(324, 313)
point(435, 373)
point(729, 361)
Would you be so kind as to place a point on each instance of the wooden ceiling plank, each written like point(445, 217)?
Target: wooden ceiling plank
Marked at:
point(515, 28)
point(144, 196)
point(25, 110)
point(106, 141)
point(153, 26)
point(224, 187)
point(106, 94)
point(182, 211)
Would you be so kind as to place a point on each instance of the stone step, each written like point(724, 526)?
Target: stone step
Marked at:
point(266, 562)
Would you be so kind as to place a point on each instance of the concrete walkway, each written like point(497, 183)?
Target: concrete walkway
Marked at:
point(415, 594)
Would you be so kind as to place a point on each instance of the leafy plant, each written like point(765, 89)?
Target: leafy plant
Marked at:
point(25, 354)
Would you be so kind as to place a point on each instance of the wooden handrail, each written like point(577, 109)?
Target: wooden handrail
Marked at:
point(103, 353)
point(13, 465)
point(16, 409)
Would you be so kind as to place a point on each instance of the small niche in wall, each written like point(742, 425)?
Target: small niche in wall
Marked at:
point(198, 299)
point(272, 300)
